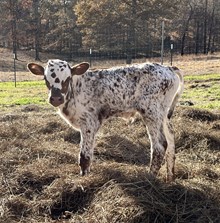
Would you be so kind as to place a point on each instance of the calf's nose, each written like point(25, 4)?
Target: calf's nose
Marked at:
point(56, 101)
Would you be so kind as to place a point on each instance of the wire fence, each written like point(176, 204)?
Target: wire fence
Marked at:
point(189, 66)
point(11, 70)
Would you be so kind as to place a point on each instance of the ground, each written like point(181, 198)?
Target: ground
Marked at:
point(40, 179)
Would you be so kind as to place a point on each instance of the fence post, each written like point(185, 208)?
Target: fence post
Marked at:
point(14, 56)
point(90, 57)
point(171, 54)
point(162, 42)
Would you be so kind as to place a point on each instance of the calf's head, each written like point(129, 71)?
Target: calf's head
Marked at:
point(57, 75)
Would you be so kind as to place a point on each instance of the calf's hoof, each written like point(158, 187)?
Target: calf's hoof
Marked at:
point(84, 172)
point(84, 163)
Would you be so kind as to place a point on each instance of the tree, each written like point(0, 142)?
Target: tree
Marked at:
point(205, 26)
point(13, 9)
point(37, 20)
point(8, 23)
point(13, 22)
point(59, 27)
point(122, 25)
point(186, 26)
point(117, 28)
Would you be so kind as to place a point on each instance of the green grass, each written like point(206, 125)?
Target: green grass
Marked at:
point(202, 90)
point(26, 92)
point(204, 77)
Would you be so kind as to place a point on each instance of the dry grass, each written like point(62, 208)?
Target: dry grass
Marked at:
point(40, 180)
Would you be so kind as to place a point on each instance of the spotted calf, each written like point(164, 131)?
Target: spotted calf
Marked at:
point(85, 98)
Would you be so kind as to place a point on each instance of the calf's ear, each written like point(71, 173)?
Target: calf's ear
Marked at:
point(35, 69)
point(79, 68)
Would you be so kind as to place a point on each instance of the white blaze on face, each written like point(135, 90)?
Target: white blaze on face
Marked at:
point(56, 72)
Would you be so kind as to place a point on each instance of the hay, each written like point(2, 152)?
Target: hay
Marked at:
point(201, 115)
point(40, 179)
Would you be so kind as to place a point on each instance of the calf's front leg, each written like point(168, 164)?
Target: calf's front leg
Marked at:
point(88, 133)
point(84, 162)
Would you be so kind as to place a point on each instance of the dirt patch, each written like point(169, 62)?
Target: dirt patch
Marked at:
point(36, 183)
point(30, 108)
point(9, 117)
point(201, 115)
point(18, 208)
point(50, 127)
point(71, 200)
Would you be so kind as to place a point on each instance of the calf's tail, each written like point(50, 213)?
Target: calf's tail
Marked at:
point(178, 93)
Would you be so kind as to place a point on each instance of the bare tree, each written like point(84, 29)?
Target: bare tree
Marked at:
point(13, 9)
point(37, 28)
point(185, 28)
point(205, 28)
point(211, 33)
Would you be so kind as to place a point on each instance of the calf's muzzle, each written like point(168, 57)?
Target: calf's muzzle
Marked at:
point(56, 98)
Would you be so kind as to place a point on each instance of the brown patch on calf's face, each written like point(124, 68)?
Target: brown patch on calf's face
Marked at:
point(47, 83)
point(65, 85)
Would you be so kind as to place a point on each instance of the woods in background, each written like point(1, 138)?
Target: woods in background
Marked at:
point(116, 29)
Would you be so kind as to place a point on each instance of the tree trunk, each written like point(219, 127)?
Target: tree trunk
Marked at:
point(131, 33)
point(205, 28)
point(13, 7)
point(211, 28)
point(186, 30)
point(197, 38)
point(37, 28)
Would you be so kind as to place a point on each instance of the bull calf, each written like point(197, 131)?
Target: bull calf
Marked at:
point(85, 98)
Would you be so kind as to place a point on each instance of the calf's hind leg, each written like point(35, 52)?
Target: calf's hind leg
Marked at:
point(158, 143)
point(170, 153)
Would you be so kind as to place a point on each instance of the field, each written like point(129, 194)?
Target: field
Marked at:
point(40, 179)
